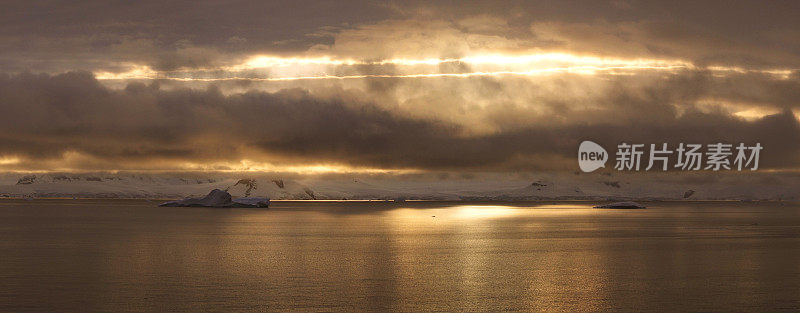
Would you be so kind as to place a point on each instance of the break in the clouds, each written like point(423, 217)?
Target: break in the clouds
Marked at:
point(106, 85)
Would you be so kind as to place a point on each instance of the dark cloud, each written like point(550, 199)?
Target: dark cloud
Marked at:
point(757, 88)
point(143, 125)
point(66, 35)
point(503, 122)
point(58, 36)
point(655, 24)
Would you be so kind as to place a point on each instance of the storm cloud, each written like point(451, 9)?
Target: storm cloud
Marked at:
point(424, 85)
point(99, 35)
point(48, 118)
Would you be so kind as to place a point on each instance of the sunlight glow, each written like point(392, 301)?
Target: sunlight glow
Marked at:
point(9, 160)
point(484, 211)
point(752, 114)
point(274, 68)
point(252, 166)
point(137, 72)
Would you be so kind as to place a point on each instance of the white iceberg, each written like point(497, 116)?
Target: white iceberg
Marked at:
point(219, 199)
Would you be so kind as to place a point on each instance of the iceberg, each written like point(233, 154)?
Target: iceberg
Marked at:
point(621, 205)
point(257, 202)
point(219, 199)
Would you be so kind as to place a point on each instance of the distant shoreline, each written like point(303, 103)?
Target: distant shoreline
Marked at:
point(423, 200)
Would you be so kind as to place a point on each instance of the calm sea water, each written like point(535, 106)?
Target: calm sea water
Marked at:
point(130, 255)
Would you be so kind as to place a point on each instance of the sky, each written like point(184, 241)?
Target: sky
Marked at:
point(385, 86)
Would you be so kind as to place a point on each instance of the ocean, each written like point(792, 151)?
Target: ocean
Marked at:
point(133, 256)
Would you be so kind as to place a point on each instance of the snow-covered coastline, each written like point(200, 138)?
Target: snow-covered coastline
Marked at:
point(542, 186)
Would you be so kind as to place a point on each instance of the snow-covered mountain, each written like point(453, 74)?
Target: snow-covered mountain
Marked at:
point(145, 186)
point(534, 186)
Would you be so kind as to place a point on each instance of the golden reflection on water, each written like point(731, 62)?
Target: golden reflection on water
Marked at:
point(481, 254)
point(481, 211)
point(419, 257)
